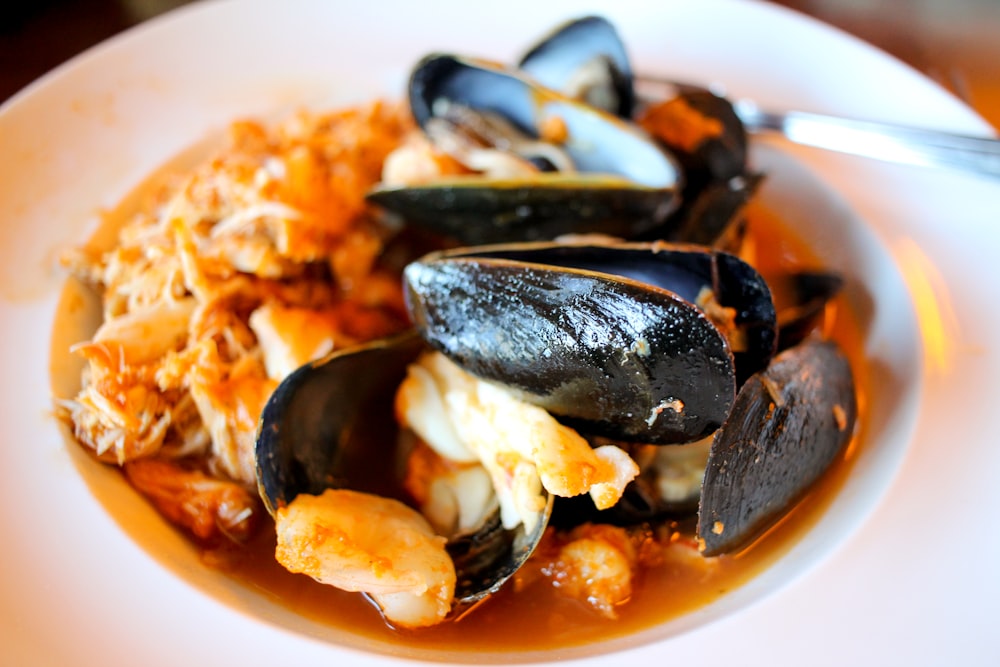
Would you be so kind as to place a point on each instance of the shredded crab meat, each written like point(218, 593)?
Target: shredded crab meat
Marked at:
point(522, 446)
point(456, 497)
point(200, 290)
point(361, 542)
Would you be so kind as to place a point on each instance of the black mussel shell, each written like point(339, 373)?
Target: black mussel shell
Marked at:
point(684, 270)
point(800, 300)
point(326, 423)
point(476, 211)
point(486, 559)
point(329, 425)
point(623, 182)
point(787, 426)
point(596, 141)
point(585, 58)
point(608, 350)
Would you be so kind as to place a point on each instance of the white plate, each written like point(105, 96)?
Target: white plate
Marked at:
point(901, 570)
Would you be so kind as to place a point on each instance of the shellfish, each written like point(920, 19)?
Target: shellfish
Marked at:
point(620, 181)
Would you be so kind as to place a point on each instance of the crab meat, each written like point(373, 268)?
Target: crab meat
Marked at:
point(290, 337)
point(521, 445)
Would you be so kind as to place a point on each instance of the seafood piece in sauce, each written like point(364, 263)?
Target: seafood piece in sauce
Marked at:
point(362, 542)
point(522, 446)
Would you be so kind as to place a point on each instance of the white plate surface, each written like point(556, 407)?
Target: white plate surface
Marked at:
point(903, 570)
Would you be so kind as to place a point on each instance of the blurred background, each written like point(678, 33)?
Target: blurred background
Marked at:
point(954, 42)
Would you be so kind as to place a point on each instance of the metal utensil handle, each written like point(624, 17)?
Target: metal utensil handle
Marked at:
point(883, 141)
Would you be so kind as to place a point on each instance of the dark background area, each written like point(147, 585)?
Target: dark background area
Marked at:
point(956, 42)
point(38, 35)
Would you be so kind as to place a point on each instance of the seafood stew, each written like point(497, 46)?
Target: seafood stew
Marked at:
point(247, 280)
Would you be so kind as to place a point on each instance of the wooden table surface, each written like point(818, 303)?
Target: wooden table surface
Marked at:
point(956, 42)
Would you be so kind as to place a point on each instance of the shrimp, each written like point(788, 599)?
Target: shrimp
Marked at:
point(365, 543)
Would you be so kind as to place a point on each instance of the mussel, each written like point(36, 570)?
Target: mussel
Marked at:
point(585, 59)
point(618, 181)
point(700, 128)
point(610, 338)
point(329, 425)
point(788, 424)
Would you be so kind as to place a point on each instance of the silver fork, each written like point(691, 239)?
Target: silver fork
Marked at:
point(882, 141)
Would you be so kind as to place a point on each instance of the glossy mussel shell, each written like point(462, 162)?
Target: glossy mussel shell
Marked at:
point(597, 142)
point(607, 338)
point(787, 426)
point(330, 425)
point(328, 421)
point(478, 211)
point(565, 57)
point(622, 180)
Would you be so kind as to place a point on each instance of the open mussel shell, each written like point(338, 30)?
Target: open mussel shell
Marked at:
point(787, 426)
point(702, 130)
point(596, 141)
point(329, 425)
point(586, 59)
point(486, 559)
point(621, 179)
point(801, 299)
point(592, 334)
